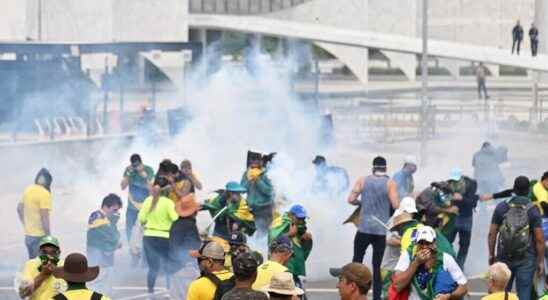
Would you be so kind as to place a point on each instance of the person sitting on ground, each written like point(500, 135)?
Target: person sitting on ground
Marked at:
point(37, 282)
point(281, 250)
point(245, 273)
point(354, 281)
point(103, 239)
point(76, 273)
point(421, 267)
point(232, 211)
point(215, 279)
point(282, 287)
point(498, 277)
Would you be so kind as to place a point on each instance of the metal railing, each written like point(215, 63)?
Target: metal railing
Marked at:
point(241, 7)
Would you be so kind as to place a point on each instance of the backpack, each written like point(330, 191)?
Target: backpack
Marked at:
point(223, 286)
point(514, 237)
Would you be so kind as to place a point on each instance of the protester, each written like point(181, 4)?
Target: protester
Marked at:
point(184, 235)
point(379, 194)
point(331, 179)
point(138, 177)
point(486, 168)
point(215, 280)
point(37, 282)
point(282, 287)
point(481, 75)
point(437, 208)
point(523, 253)
point(404, 177)
point(188, 174)
point(157, 215)
point(293, 224)
point(517, 37)
point(464, 197)
point(231, 211)
point(76, 273)
point(427, 272)
point(354, 281)
point(178, 187)
point(281, 250)
point(34, 211)
point(103, 239)
point(260, 192)
point(245, 273)
point(533, 36)
point(538, 192)
point(498, 277)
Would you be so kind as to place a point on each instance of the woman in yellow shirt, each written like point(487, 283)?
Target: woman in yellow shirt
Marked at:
point(156, 216)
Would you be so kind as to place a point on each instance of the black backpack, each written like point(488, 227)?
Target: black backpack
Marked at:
point(514, 232)
point(223, 286)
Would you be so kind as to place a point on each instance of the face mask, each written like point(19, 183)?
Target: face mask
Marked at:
point(45, 258)
point(301, 229)
point(114, 218)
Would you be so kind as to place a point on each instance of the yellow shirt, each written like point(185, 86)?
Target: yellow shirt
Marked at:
point(158, 222)
point(81, 294)
point(35, 198)
point(265, 273)
point(49, 288)
point(500, 296)
point(203, 288)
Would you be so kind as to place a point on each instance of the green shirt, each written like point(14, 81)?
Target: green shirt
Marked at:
point(138, 185)
point(158, 222)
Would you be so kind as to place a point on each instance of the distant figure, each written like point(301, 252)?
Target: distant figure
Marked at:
point(329, 179)
point(34, 211)
point(533, 35)
point(486, 168)
point(481, 74)
point(517, 37)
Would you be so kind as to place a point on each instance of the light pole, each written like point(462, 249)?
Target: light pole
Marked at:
point(424, 89)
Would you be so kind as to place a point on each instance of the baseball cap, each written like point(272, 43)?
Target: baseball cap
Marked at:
point(281, 243)
point(407, 205)
point(235, 187)
point(425, 233)
point(49, 240)
point(379, 161)
point(356, 272)
point(298, 211)
point(521, 185)
point(237, 238)
point(244, 265)
point(410, 159)
point(456, 174)
point(213, 250)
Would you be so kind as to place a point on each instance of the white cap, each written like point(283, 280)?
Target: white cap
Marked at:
point(408, 205)
point(425, 233)
point(410, 159)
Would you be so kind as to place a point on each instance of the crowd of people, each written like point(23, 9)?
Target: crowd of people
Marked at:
point(410, 232)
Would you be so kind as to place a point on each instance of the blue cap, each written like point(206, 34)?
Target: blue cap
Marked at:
point(298, 211)
point(235, 187)
point(456, 174)
point(281, 243)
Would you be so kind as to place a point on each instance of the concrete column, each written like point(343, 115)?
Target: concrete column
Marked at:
point(541, 20)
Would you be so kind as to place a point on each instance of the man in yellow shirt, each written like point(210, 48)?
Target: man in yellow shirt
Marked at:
point(37, 283)
point(34, 211)
point(281, 250)
point(76, 273)
point(498, 276)
point(214, 275)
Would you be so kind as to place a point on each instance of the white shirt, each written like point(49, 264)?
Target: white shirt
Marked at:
point(449, 265)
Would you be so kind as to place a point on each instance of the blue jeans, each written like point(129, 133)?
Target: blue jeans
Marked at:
point(523, 273)
point(32, 243)
point(463, 226)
